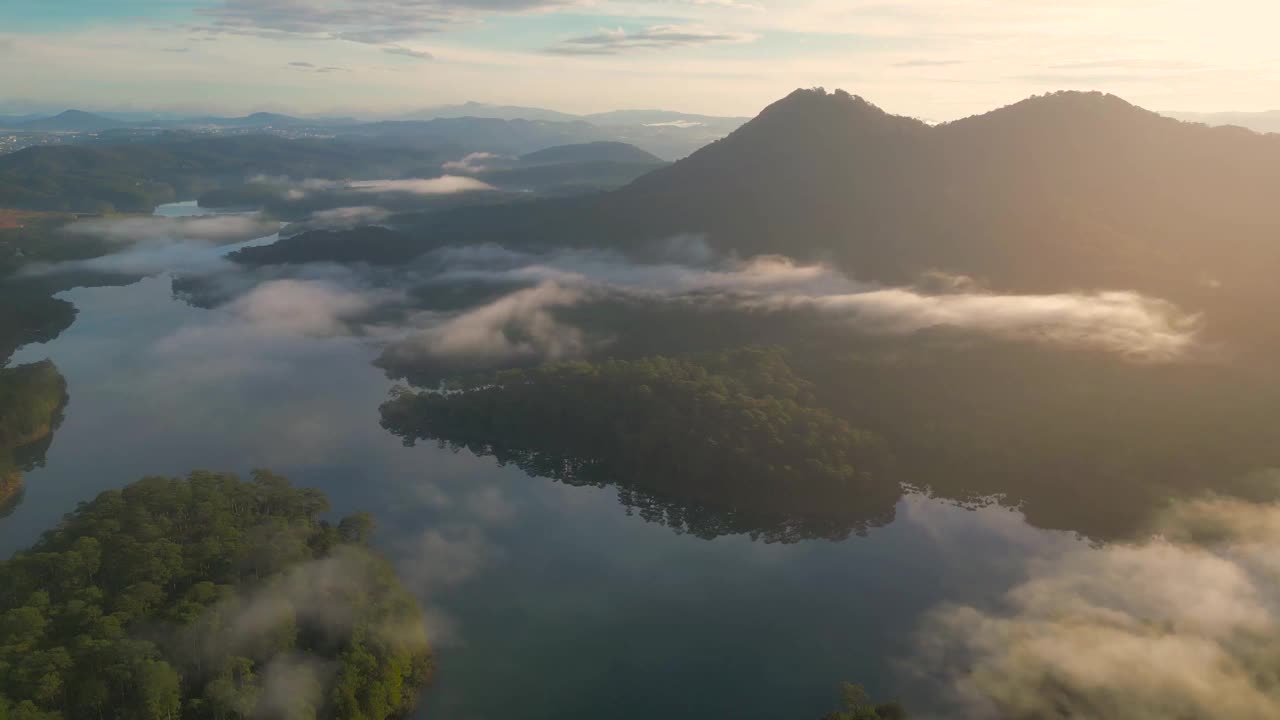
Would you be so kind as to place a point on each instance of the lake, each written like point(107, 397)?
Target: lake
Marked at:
point(544, 600)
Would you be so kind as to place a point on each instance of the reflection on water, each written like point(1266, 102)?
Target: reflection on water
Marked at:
point(545, 600)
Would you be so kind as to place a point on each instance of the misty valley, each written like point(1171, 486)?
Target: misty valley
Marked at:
point(842, 414)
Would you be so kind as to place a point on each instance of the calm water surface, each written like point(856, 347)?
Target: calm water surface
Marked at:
point(545, 601)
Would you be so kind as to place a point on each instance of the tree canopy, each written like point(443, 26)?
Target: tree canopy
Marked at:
point(710, 444)
point(207, 597)
point(856, 704)
point(32, 399)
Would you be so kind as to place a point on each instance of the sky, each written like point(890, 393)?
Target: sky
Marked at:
point(933, 59)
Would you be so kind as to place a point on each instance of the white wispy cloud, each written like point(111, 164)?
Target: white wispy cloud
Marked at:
point(1185, 624)
point(1125, 323)
point(657, 37)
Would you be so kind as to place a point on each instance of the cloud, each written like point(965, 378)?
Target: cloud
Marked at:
point(445, 185)
point(1185, 624)
point(473, 163)
point(517, 326)
point(679, 124)
point(218, 229)
point(1125, 323)
point(516, 303)
point(362, 21)
point(328, 597)
point(1130, 64)
point(658, 37)
point(273, 316)
point(927, 63)
point(347, 217)
point(446, 558)
point(150, 245)
point(409, 52)
point(691, 269)
point(291, 682)
point(176, 50)
point(306, 66)
point(382, 36)
point(301, 308)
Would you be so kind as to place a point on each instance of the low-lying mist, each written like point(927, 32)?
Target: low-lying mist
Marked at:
point(1185, 624)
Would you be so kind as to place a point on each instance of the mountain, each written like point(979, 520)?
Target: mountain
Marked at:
point(72, 121)
point(264, 119)
point(603, 151)
point(1058, 193)
point(135, 177)
point(470, 134)
point(496, 112)
point(1263, 122)
point(658, 118)
point(666, 134)
point(255, 121)
point(16, 121)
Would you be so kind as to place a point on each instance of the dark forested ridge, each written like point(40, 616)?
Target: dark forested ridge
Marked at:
point(1077, 440)
point(368, 244)
point(712, 445)
point(207, 597)
point(615, 152)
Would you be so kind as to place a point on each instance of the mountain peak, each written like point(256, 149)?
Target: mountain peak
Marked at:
point(817, 107)
point(72, 120)
point(817, 99)
point(1075, 108)
point(74, 114)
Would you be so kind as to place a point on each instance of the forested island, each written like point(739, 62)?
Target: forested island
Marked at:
point(1074, 439)
point(207, 597)
point(32, 399)
point(712, 444)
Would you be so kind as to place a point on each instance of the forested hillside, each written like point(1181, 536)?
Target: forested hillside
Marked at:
point(135, 177)
point(207, 597)
point(713, 445)
point(1056, 193)
point(32, 399)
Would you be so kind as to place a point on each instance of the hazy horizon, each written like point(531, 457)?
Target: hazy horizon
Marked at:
point(931, 59)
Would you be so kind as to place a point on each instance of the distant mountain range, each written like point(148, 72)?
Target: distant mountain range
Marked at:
point(1057, 193)
point(669, 135)
point(483, 110)
point(1263, 122)
point(75, 121)
point(591, 152)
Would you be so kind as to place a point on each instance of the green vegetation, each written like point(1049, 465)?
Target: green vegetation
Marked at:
point(715, 444)
point(593, 152)
point(1078, 441)
point(135, 177)
point(38, 238)
point(857, 705)
point(32, 398)
point(207, 597)
point(371, 244)
point(30, 317)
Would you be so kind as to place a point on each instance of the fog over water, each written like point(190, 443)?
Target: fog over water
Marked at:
point(556, 600)
point(538, 594)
